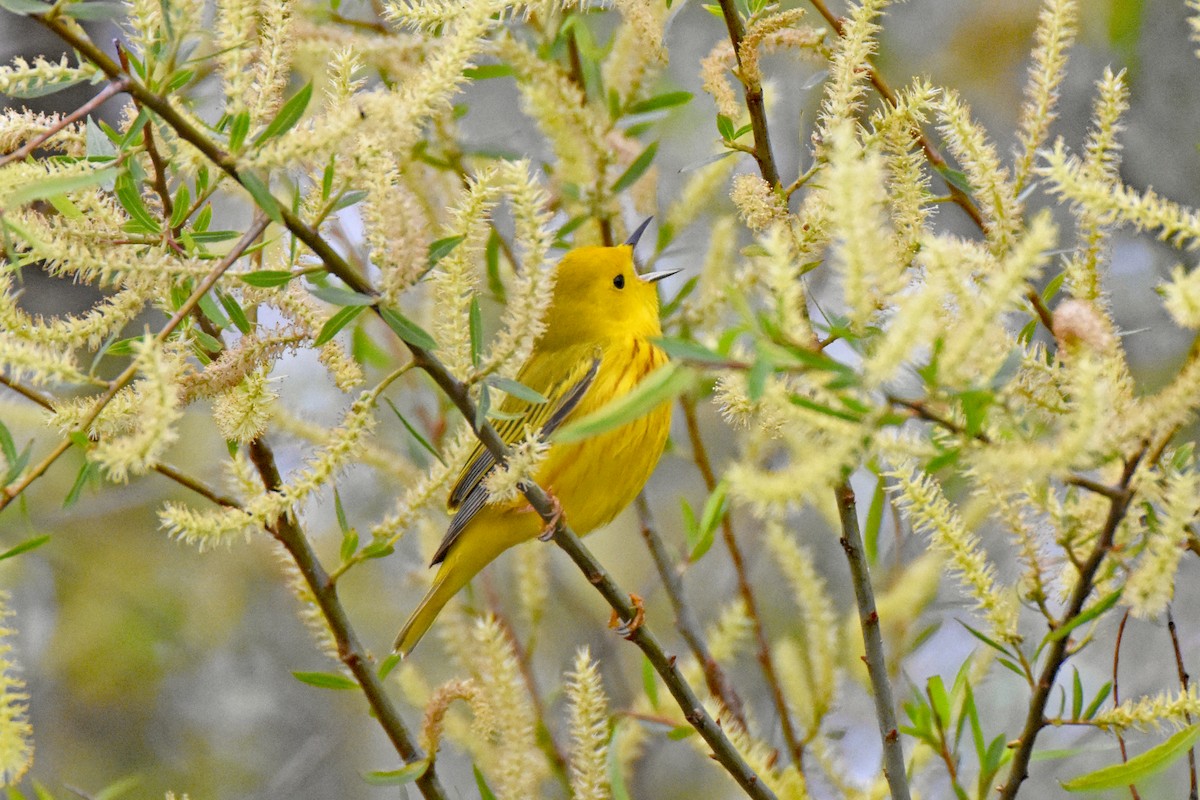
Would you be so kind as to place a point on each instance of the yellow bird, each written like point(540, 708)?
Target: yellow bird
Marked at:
point(596, 347)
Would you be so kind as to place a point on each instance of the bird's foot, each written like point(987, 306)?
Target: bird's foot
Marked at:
point(625, 629)
point(556, 516)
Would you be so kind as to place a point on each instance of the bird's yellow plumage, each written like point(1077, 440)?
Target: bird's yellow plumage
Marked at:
point(596, 347)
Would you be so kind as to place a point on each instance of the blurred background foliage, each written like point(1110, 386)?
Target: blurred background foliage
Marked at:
point(153, 667)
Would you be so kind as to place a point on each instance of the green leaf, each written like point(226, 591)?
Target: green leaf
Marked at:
point(475, 324)
point(338, 296)
point(636, 169)
point(687, 350)
point(288, 115)
point(398, 777)
point(650, 682)
point(60, 184)
point(821, 408)
point(710, 517)
point(1138, 768)
point(118, 788)
point(213, 312)
point(616, 772)
point(261, 193)
point(485, 791)
point(658, 102)
point(661, 386)
point(725, 127)
point(238, 128)
point(347, 199)
point(378, 548)
point(325, 680)
point(17, 465)
point(1089, 614)
point(442, 247)
point(388, 664)
point(407, 330)
point(141, 220)
point(517, 389)
point(341, 319)
point(955, 178)
point(25, 546)
point(485, 72)
point(86, 471)
point(8, 448)
point(680, 733)
point(491, 255)
point(874, 520)
point(234, 310)
point(1076, 695)
point(999, 648)
point(1098, 700)
point(265, 279)
point(98, 10)
point(939, 701)
point(180, 204)
point(365, 351)
point(24, 7)
point(414, 433)
point(214, 237)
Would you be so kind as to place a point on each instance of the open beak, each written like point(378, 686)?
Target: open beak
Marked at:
point(655, 277)
point(633, 237)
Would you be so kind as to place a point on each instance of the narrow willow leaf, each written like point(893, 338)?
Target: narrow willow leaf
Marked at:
point(517, 389)
point(485, 72)
point(650, 682)
point(25, 546)
point(407, 330)
point(710, 517)
point(686, 350)
point(288, 115)
point(661, 386)
point(25, 7)
point(261, 193)
point(485, 791)
point(180, 205)
point(62, 184)
point(442, 247)
point(1086, 616)
point(336, 295)
point(234, 310)
point(267, 278)
point(414, 432)
point(335, 323)
point(86, 471)
point(636, 169)
point(1098, 700)
point(665, 100)
point(348, 199)
point(96, 11)
point(238, 128)
point(388, 664)
point(7, 446)
point(874, 521)
point(325, 680)
point(398, 777)
point(1138, 768)
point(475, 323)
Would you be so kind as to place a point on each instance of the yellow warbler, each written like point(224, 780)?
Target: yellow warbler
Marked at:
point(596, 347)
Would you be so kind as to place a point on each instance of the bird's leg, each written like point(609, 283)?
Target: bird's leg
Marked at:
point(626, 629)
point(556, 515)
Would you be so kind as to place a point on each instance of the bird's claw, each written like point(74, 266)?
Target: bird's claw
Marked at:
point(556, 515)
point(625, 629)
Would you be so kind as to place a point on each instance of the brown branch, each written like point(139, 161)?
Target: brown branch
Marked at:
point(116, 86)
point(1193, 790)
point(1057, 651)
point(351, 653)
point(765, 661)
point(868, 618)
point(754, 98)
point(685, 621)
point(1116, 683)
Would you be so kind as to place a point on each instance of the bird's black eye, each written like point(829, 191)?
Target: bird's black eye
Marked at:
point(619, 281)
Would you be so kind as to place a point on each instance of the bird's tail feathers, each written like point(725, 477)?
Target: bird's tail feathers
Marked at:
point(445, 586)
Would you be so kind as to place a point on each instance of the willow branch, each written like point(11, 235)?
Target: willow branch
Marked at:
point(350, 651)
point(765, 661)
point(9, 493)
point(115, 87)
point(868, 618)
point(1057, 651)
point(754, 98)
point(685, 621)
point(723, 750)
point(1184, 680)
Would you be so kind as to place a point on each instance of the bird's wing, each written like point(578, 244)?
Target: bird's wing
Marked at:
point(469, 494)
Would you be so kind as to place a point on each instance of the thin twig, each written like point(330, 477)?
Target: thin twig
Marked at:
point(1056, 652)
point(116, 86)
point(868, 618)
point(1116, 683)
point(745, 590)
point(1193, 790)
point(351, 653)
point(12, 491)
point(685, 621)
point(723, 750)
point(754, 98)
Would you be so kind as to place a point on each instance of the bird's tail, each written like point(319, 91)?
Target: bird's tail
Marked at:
point(450, 578)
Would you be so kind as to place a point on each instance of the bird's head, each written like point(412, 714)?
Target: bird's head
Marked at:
point(600, 294)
